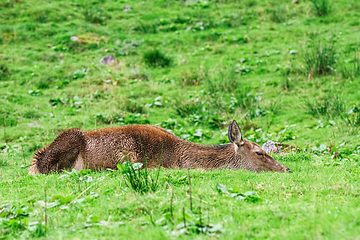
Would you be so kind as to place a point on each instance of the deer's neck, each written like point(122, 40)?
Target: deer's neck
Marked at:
point(193, 155)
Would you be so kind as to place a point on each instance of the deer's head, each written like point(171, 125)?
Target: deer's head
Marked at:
point(249, 155)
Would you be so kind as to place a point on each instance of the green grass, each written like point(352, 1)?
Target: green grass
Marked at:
point(286, 72)
point(319, 200)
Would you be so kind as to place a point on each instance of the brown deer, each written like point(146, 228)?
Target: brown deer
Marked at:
point(105, 148)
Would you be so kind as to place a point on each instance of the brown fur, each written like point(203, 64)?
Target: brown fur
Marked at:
point(105, 148)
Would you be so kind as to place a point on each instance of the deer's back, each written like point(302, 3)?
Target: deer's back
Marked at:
point(108, 146)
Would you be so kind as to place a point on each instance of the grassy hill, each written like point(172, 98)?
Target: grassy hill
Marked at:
point(286, 72)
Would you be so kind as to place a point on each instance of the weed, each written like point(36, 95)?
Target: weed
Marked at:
point(170, 124)
point(322, 7)
point(175, 180)
point(216, 122)
point(121, 118)
point(285, 72)
point(156, 103)
point(44, 83)
point(195, 134)
point(139, 178)
point(235, 193)
point(4, 72)
point(134, 106)
point(98, 16)
point(352, 117)
point(139, 76)
point(330, 106)
point(15, 219)
point(236, 39)
point(278, 14)
point(8, 120)
point(243, 98)
point(58, 101)
point(192, 77)
point(80, 73)
point(285, 133)
point(193, 224)
point(146, 27)
point(8, 4)
point(224, 81)
point(320, 59)
point(32, 115)
point(257, 112)
point(127, 48)
point(274, 107)
point(354, 70)
point(35, 92)
point(192, 106)
point(155, 58)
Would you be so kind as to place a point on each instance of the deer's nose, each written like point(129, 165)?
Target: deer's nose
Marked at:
point(289, 170)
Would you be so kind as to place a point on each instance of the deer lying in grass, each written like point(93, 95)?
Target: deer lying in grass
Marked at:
point(105, 148)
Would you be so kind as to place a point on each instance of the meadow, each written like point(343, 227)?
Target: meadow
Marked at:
point(287, 71)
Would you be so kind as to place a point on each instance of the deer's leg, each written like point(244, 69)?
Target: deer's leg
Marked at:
point(65, 152)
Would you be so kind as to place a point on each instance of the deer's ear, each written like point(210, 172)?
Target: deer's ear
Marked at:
point(234, 134)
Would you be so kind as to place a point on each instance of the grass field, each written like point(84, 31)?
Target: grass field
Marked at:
point(286, 72)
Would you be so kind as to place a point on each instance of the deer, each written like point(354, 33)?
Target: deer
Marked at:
point(107, 147)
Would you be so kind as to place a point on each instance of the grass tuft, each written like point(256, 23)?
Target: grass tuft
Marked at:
point(353, 70)
point(320, 59)
point(224, 81)
point(97, 16)
point(192, 77)
point(186, 108)
point(155, 58)
point(44, 83)
point(278, 14)
point(330, 106)
point(134, 106)
point(322, 7)
point(4, 72)
point(139, 178)
point(146, 27)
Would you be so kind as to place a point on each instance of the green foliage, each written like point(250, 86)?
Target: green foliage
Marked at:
point(8, 120)
point(280, 134)
point(192, 77)
point(146, 27)
point(58, 101)
point(139, 76)
point(32, 114)
point(121, 118)
point(79, 73)
point(44, 83)
point(320, 59)
point(195, 225)
point(189, 107)
point(352, 117)
point(4, 72)
point(175, 180)
point(139, 178)
point(330, 106)
point(226, 81)
point(134, 106)
point(155, 58)
point(15, 219)
point(279, 14)
point(352, 71)
point(95, 15)
point(235, 193)
point(229, 60)
point(322, 7)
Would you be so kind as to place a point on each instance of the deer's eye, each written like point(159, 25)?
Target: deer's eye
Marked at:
point(259, 153)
